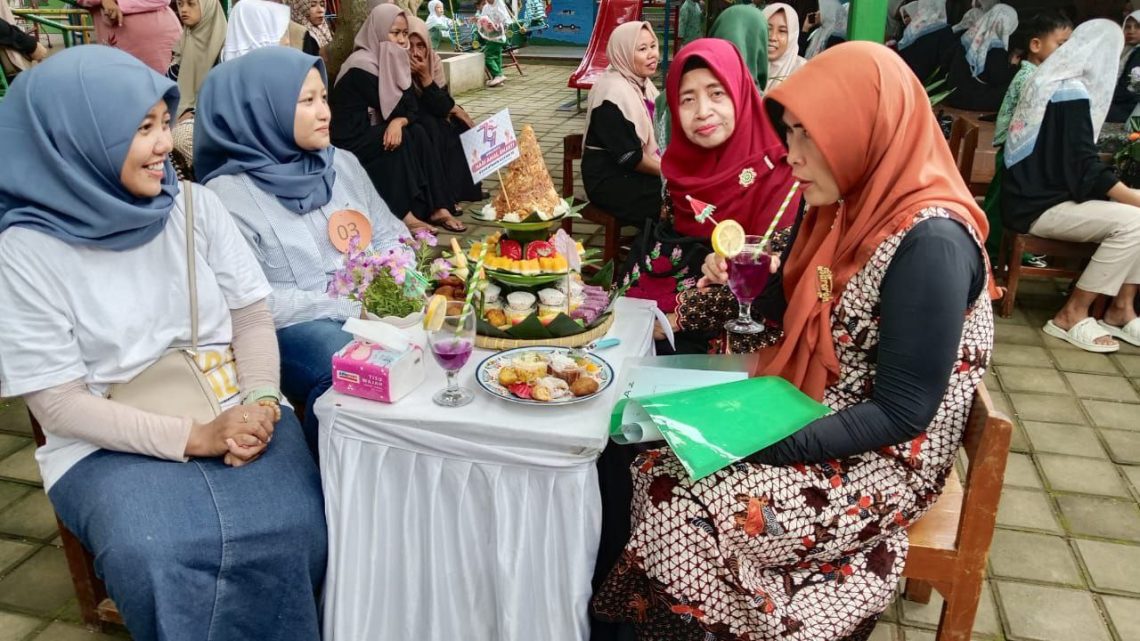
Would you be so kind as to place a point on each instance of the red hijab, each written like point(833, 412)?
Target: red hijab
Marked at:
point(746, 177)
point(888, 156)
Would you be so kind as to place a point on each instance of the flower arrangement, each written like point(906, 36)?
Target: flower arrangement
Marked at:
point(389, 283)
point(1127, 158)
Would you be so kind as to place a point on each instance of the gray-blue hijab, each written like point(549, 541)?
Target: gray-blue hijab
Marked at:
point(67, 125)
point(244, 124)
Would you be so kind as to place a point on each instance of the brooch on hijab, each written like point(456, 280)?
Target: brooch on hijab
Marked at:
point(824, 274)
point(747, 177)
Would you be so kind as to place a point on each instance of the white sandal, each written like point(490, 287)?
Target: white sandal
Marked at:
point(1082, 335)
point(1130, 333)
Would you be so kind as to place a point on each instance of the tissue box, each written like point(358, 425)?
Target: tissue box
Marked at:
point(371, 371)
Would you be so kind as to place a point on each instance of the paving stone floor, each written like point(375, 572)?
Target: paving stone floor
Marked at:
point(1065, 563)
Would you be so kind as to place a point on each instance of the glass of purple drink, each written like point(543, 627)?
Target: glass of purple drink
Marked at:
point(747, 275)
point(452, 345)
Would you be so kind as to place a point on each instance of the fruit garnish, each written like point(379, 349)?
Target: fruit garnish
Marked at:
point(510, 249)
point(434, 312)
point(539, 249)
point(521, 390)
point(727, 238)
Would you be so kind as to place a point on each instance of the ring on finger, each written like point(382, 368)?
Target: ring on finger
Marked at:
point(245, 417)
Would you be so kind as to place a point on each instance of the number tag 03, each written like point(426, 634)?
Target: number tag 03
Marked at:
point(345, 224)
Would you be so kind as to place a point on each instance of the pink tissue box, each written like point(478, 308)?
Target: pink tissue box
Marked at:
point(370, 371)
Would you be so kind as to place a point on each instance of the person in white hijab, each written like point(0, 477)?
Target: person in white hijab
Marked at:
point(783, 43)
point(992, 32)
point(254, 24)
point(438, 24)
point(1125, 99)
point(924, 17)
point(969, 19)
point(1057, 187)
point(833, 23)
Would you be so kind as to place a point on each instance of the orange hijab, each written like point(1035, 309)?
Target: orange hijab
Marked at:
point(890, 161)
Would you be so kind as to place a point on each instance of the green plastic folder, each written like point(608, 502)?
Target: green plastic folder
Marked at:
point(711, 427)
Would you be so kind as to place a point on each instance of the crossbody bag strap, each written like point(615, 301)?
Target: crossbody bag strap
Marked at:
point(191, 269)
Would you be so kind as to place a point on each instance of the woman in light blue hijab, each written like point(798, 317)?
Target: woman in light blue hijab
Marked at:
point(46, 130)
point(262, 145)
point(199, 527)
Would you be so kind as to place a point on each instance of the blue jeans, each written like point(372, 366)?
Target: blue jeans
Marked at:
point(201, 550)
point(306, 365)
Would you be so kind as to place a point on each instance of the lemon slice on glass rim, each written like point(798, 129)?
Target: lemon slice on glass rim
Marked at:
point(434, 312)
point(727, 238)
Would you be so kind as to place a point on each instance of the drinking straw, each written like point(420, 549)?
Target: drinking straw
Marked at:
point(772, 225)
point(472, 283)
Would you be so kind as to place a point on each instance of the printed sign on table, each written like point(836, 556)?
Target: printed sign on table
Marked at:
point(490, 145)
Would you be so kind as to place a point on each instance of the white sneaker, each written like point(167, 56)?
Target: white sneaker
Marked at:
point(496, 81)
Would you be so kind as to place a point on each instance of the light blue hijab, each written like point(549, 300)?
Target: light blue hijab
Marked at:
point(244, 124)
point(67, 125)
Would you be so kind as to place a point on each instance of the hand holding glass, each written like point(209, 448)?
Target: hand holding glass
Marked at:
point(747, 275)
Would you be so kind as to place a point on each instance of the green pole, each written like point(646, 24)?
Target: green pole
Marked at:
point(867, 20)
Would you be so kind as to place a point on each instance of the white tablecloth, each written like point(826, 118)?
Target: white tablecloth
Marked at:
point(472, 523)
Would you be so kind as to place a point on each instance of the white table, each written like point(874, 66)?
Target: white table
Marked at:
point(473, 523)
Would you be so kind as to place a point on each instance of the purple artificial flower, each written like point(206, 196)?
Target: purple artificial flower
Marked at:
point(425, 235)
point(441, 268)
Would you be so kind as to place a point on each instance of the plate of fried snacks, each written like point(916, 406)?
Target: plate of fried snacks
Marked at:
point(544, 375)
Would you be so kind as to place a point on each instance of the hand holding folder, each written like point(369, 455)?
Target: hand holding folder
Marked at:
point(709, 423)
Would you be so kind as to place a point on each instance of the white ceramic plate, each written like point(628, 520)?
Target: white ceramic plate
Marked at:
point(487, 375)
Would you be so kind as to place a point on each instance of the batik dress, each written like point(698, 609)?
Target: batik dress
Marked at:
point(801, 552)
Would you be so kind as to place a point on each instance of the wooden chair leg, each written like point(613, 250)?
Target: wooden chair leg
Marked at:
point(612, 240)
point(959, 609)
point(917, 591)
point(1001, 268)
point(1013, 265)
point(515, 62)
point(89, 590)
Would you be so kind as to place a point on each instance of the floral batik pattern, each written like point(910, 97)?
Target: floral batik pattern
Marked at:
point(800, 552)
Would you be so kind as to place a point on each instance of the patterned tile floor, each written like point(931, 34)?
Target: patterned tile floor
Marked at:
point(1065, 564)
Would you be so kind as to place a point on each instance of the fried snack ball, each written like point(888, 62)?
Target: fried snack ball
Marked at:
point(540, 393)
point(508, 376)
point(454, 307)
point(447, 291)
point(584, 386)
point(497, 317)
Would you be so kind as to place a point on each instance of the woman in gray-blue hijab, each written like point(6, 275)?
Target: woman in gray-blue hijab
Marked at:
point(262, 145)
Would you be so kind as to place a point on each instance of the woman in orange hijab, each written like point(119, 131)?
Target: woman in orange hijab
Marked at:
point(888, 322)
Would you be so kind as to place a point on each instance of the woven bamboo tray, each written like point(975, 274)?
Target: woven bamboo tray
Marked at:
point(577, 340)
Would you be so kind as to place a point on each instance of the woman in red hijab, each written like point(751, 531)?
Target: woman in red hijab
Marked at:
point(889, 323)
point(724, 152)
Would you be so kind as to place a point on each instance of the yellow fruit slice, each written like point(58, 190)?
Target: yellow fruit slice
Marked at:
point(434, 312)
point(728, 238)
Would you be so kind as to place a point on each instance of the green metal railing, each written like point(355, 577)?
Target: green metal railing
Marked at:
point(76, 22)
point(67, 30)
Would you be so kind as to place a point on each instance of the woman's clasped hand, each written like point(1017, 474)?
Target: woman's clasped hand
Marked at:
point(239, 434)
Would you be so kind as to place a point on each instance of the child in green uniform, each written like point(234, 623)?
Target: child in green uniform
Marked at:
point(1045, 32)
point(690, 22)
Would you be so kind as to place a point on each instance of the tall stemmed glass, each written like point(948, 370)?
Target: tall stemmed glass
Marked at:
point(451, 345)
point(747, 275)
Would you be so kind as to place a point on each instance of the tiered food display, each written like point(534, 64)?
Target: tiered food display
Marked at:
point(527, 193)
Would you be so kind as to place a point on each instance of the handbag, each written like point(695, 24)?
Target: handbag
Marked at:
point(174, 385)
point(662, 263)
